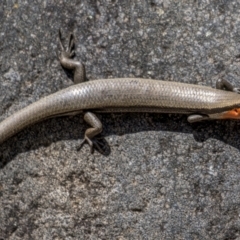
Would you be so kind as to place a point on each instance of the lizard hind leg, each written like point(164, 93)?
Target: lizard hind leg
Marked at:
point(67, 61)
point(93, 131)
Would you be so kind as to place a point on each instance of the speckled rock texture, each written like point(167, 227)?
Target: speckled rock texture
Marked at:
point(162, 178)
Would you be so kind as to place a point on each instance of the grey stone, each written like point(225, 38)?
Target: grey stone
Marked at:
point(166, 180)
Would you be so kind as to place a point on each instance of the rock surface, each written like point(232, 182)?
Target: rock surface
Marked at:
point(162, 178)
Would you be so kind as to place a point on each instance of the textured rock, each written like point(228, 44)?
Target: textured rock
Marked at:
point(162, 178)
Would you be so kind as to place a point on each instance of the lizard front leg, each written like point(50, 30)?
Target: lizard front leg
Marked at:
point(221, 84)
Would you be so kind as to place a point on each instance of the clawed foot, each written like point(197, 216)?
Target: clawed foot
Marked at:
point(93, 143)
point(66, 53)
point(67, 61)
point(236, 90)
point(224, 84)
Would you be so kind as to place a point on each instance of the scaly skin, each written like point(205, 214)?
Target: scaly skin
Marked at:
point(121, 95)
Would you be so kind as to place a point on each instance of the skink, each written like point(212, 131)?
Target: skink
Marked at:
point(123, 95)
